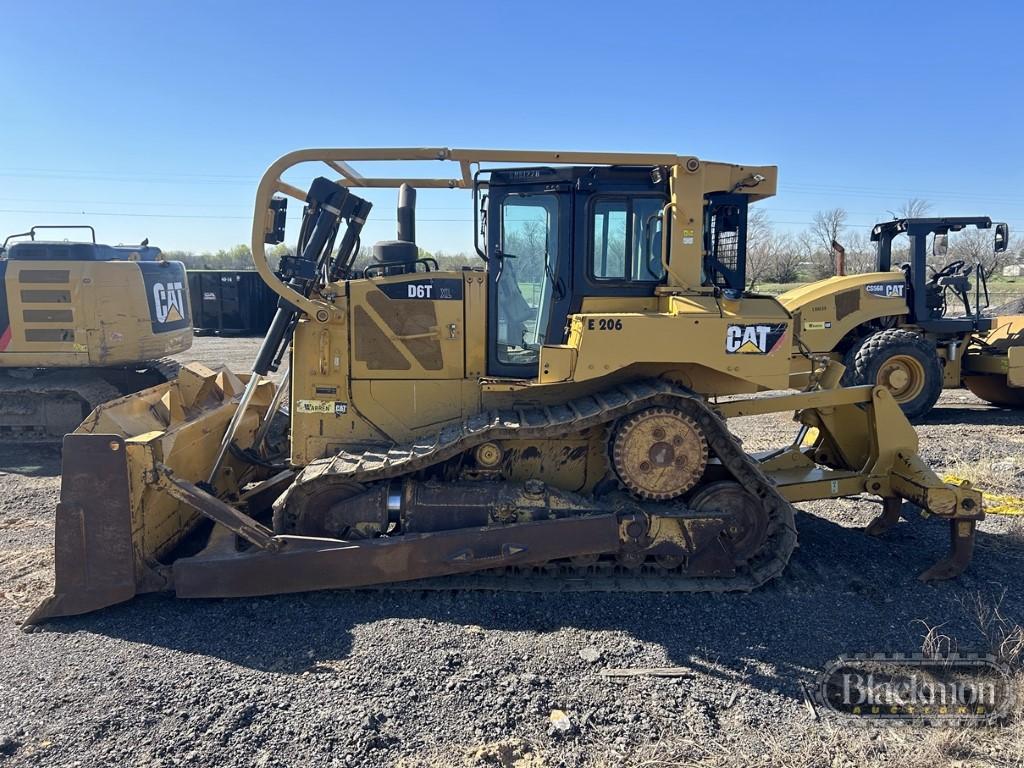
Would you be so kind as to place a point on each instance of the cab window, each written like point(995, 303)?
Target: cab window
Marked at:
point(526, 275)
point(625, 242)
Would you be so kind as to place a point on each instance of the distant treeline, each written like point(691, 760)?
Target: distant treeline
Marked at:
point(773, 256)
point(240, 257)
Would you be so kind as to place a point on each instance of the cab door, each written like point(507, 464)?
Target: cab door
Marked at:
point(529, 249)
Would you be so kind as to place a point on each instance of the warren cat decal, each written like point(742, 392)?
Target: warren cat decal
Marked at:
point(887, 290)
point(167, 294)
point(337, 407)
point(760, 339)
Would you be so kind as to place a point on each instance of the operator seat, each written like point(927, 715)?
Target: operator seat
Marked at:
point(513, 309)
point(933, 297)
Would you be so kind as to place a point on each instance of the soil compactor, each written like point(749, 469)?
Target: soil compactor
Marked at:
point(82, 323)
point(550, 420)
point(918, 329)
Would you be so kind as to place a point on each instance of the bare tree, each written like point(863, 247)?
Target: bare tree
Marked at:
point(976, 246)
point(914, 208)
point(826, 228)
point(771, 256)
point(860, 252)
point(805, 247)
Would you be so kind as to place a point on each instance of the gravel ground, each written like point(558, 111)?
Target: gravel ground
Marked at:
point(379, 678)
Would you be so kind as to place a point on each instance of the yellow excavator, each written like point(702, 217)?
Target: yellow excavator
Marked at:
point(82, 323)
point(551, 419)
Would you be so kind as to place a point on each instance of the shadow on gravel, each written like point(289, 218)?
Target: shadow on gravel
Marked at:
point(981, 415)
point(843, 592)
point(30, 460)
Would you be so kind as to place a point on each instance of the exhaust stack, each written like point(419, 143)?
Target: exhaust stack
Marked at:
point(398, 257)
point(407, 214)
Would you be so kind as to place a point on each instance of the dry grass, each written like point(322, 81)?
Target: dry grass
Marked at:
point(934, 642)
point(1004, 637)
point(991, 472)
point(998, 477)
point(843, 745)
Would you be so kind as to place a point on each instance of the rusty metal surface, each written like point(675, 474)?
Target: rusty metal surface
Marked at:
point(95, 561)
point(659, 453)
point(306, 564)
point(597, 410)
point(961, 550)
point(215, 509)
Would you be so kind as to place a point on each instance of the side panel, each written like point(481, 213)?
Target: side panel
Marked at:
point(408, 327)
point(322, 412)
point(393, 367)
point(826, 311)
point(142, 311)
point(739, 346)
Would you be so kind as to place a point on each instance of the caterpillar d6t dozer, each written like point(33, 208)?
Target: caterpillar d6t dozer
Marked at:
point(918, 329)
point(82, 323)
point(549, 420)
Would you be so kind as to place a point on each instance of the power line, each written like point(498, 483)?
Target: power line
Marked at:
point(184, 205)
point(189, 216)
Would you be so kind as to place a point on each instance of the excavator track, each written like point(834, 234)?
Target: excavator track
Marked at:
point(599, 410)
point(42, 405)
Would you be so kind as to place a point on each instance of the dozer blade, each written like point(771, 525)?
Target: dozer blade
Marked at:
point(94, 563)
point(116, 526)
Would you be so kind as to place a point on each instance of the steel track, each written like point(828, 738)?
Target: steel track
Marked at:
point(602, 409)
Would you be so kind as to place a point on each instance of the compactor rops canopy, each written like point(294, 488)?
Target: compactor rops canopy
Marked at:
point(548, 419)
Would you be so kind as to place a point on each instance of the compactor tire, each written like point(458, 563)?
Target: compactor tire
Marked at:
point(903, 361)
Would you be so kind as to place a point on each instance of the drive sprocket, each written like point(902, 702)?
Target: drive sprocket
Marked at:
point(659, 453)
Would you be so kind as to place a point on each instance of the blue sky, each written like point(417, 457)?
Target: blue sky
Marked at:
point(157, 119)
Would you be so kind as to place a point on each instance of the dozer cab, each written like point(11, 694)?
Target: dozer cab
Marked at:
point(917, 329)
point(551, 419)
point(82, 323)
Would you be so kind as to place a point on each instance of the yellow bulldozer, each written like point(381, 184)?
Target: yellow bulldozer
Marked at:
point(555, 418)
point(918, 329)
point(82, 323)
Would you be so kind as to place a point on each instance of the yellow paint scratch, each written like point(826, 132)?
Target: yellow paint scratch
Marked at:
point(995, 503)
